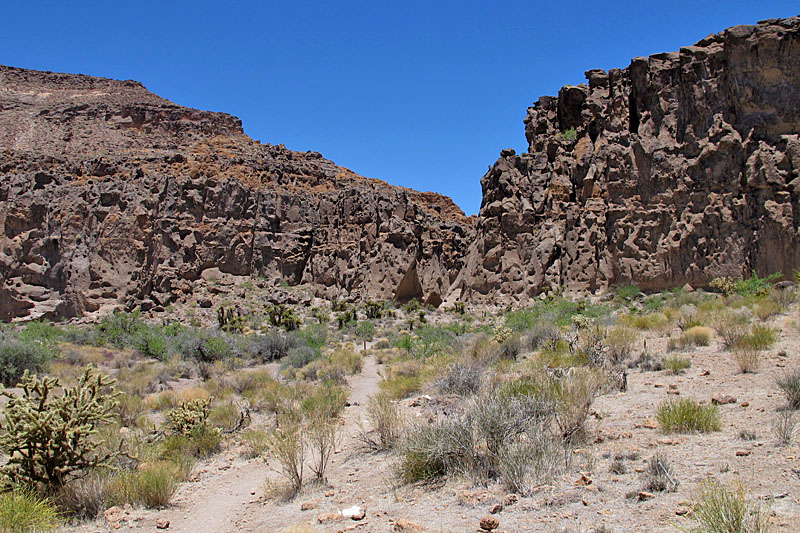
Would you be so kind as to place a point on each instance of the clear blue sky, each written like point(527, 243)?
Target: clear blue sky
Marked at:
point(423, 94)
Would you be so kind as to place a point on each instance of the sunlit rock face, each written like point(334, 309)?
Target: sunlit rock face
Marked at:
point(677, 169)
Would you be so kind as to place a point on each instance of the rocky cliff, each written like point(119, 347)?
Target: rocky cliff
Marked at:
point(681, 167)
point(111, 196)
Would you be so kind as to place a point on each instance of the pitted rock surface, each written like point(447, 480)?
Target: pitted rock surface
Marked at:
point(677, 169)
point(111, 196)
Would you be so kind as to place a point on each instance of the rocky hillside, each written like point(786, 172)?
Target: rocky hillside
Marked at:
point(679, 168)
point(112, 196)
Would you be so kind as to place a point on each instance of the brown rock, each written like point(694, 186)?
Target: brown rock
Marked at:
point(405, 525)
point(488, 523)
point(496, 508)
point(722, 399)
point(474, 497)
point(307, 506)
point(510, 499)
point(325, 518)
point(743, 453)
point(162, 523)
point(644, 496)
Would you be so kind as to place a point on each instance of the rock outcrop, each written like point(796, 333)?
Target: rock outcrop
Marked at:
point(111, 196)
point(680, 168)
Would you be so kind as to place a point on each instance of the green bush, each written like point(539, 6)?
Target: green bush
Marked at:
point(153, 486)
point(21, 510)
point(760, 337)
point(688, 416)
point(48, 438)
point(18, 356)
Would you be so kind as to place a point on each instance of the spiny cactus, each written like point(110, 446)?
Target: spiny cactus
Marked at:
point(189, 415)
point(50, 439)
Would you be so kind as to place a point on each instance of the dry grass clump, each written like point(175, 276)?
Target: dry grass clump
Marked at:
point(385, 421)
point(499, 436)
point(646, 321)
point(462, 378)
point(620, 342)
point(676, 364)
point(731, 327)
point(784, 427)
point(688, 416)
point(23, 510)
point(789, 383)
point(693, 336)
point(659, 475)
point(747, 358)
point(721, 509)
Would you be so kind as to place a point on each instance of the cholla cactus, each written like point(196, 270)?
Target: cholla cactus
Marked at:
point(501, 334)
point(49, 439)
point(189, 415)
point(725, 285)
point(582, 321)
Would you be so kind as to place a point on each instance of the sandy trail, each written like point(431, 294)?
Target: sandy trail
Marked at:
point(225, 494)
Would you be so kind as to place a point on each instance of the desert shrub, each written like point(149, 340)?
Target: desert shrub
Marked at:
point(299, 356)
point(731, 327)
point(747, 358)
point(365, 331)
point(257, 443)
point(118, 328)
point(767, 308)
point(314, 335)
point(510, 348)
point(789, 383)
point(501, 437)
point(430, 341)
point(659, 475)
point(385, 420)
point(721, 509)
point(644, 321)
point(784, 427)
point(676, 364)
point(646, 362)
point(760, 337)
point(401, 386)
point(627, 292)
point(18, 356)
point(50, 438)
point(462, 378)
point(324, 400)
point(573, 395)
point(288, 447)
point(620, 342)
point(696, 336)
point(276, 344)
point(754, 285)
point(152, 486)
point(542, 334)
point(350, 361)
point(687, 416)
point(23, 510)
point(323, 433)
point(224, 416)
point(689, 317)
point(432, 450)
point(83, 497)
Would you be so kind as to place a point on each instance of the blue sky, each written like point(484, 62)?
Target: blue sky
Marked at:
point(421, 94)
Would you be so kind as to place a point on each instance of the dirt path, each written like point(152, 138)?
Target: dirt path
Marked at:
point(226, 494)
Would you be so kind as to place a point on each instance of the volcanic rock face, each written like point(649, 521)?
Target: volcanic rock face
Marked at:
point(680, 168)
point(112, 196)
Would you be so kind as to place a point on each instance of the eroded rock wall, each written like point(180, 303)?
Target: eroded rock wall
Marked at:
point(680, 168)
point(111, 196)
